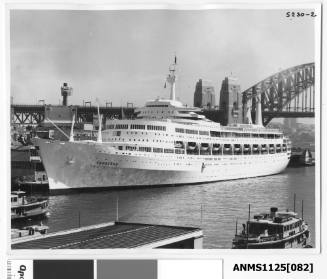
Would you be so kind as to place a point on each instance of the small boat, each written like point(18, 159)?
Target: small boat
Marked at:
point(277, 229)
point(23, 207)
point(27, 183)
point(307, 159)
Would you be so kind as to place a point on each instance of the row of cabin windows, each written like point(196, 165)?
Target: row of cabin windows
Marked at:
point(156, 128)
point(228, 134)
point(204, 133)
point(195, 132)
point(145, 149)
point(121, 126)
point(256, 228)
point(259, 228)
point(19, 210)
point(137, 127)
point(292, 226)
point(244, 135)
point(156, 106)
point(157, 112)
point(193, 148)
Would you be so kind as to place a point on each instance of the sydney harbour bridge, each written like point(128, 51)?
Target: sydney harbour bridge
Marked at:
point(289, 93)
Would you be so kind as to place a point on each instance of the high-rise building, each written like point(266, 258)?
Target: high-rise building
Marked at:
point(204, 95)
point(231, 101)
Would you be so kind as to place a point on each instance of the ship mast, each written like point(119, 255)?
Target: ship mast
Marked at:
point(71, 137)
point(171, 79)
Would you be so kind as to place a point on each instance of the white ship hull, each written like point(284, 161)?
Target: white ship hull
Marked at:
point(89, 165)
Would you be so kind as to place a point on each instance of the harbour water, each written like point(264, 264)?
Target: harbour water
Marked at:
point(214, 206)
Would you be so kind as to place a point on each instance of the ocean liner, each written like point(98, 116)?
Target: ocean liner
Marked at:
point(167, 143)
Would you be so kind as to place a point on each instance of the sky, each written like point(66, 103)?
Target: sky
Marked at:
point(123, 56)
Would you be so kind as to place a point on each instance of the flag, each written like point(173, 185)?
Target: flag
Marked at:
point(175, 59)
point(165, 85)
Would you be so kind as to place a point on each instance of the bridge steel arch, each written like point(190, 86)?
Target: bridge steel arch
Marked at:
point(289, 93)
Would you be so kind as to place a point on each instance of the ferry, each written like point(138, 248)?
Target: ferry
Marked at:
point(23, 207)
point(277, 229)
point(167, 143)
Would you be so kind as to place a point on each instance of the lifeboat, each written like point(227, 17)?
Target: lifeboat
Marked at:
point(179, 144)
point(227, 147)
point(278, 147)
point(255, 148)
point(237, 148)
point(204, 146)
point(271, 148)
point(263, 148)
point(246, 148)
point(216, 147)
point(191, 145)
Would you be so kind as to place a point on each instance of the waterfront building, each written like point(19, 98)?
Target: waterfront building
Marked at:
point(204, 95)
point(231, 101)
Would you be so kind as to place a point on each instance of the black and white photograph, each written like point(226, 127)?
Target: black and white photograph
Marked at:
point(164, 128)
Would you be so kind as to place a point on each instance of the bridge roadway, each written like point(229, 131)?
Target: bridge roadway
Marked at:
point(34, 114)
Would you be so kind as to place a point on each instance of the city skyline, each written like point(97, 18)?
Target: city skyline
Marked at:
point(123, 56)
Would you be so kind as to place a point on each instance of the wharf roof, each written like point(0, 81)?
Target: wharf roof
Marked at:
point(109, 236)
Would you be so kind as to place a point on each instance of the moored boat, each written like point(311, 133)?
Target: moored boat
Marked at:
point(277, 229)
point(23, 207)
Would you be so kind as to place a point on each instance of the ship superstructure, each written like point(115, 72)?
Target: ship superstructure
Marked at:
point(167, 143)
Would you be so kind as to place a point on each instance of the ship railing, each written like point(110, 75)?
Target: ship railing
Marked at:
point(273, 237)
point(247, 129)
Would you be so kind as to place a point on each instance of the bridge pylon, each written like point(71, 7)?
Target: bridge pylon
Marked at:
point(230, 102)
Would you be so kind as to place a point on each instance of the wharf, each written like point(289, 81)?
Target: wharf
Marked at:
point(116, 235)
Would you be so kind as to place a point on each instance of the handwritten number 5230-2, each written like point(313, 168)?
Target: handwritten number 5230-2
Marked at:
point(300, 14)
